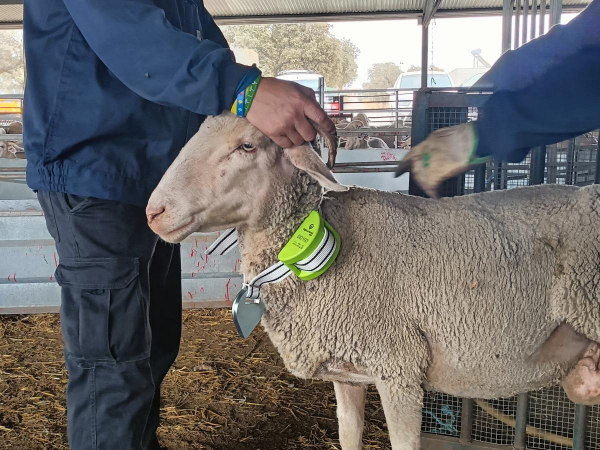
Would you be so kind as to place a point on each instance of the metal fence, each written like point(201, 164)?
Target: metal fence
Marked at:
point(544, 419)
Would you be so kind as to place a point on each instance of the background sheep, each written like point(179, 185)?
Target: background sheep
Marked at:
point(12, 149)
point(482, 296)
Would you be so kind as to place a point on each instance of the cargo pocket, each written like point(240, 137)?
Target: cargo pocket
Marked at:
point(104, 314)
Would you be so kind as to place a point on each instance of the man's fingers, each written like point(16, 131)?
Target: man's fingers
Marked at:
point(319, 117)
point(403, 166)
point(282, 141)
point(295, 137)
point(306, 130)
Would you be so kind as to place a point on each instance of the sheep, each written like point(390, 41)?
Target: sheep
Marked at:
point(483, 296)
point(12, 149)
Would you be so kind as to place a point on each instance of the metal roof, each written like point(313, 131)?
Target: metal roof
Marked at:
point(240, 11)
point(257, 11)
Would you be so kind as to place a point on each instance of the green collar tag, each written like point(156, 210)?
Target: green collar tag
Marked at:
point(311, 250)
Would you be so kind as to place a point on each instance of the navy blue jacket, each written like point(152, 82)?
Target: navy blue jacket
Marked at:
point(115, 88)
point(545, 92)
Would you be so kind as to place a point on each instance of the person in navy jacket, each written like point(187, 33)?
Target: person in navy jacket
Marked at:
point(544, 92)
point(114, 90)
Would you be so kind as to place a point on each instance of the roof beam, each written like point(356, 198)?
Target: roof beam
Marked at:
point(429, 9)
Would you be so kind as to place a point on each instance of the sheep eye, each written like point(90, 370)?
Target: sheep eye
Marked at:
point(247, 147)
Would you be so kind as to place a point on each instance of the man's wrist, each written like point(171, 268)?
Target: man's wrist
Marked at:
point(245, 95)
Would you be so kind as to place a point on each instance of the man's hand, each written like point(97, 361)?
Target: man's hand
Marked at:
point(444, 154)
point(282, 109)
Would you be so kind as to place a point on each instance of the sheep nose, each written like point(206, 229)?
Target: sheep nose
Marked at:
point(152, 212)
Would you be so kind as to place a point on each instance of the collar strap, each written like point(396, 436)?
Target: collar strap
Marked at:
point(308, 254)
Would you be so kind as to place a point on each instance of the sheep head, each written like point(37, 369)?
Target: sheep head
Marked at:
point(228, 175)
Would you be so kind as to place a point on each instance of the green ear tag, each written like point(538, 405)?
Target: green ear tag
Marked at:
point(305, 241)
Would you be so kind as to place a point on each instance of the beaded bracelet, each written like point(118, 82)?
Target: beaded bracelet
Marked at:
point(241, 106)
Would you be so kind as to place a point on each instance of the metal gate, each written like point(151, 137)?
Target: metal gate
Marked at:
point(544, 419)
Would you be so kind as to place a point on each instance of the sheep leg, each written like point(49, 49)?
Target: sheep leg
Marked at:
point(350, 412)
point(402, 407)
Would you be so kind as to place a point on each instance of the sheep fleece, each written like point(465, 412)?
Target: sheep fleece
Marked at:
point(455, 293)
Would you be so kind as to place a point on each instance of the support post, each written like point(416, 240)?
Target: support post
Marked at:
point(597, 174)
point(466, 429)
point(542, 17)
point(525, 21)
point(538, 165)
point(521, 426)
point(424, 54)
point(555, 12)
point(479, 181)
point(534, 7)
point(517, 23)
point(507, 9)
point(579, 428)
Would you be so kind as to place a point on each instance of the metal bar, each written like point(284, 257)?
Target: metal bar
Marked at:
point(555, 12)
point(367, 163)
point(466, 429)
point(433, 442)
point(597, 174)
point(397, 123)
point(538, 165)
point(525, 20)
point(11, 137)
point(507, 11)
point(517, 24)
point(424, 55)
point(571, 176)
point(579, 427)
point(521, 426)
point(551, 163)
point(479, 179)
point(534, 7)
point(542, 17)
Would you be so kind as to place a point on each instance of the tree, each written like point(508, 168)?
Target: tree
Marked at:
point(12, 64)
point(298, 46)
point(382, 76)
point(418, 68)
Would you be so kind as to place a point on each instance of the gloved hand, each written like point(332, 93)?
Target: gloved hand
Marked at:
point(447, 152)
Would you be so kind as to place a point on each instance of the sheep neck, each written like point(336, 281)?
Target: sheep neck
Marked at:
point(282, 212)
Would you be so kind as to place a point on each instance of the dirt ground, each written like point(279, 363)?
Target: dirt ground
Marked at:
point(222, 393)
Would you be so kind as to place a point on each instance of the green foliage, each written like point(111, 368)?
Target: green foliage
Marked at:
point(12, 64)
point(382, 76)
point(306, 46)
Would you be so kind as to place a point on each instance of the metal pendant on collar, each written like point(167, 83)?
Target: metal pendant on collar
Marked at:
point(246, 313)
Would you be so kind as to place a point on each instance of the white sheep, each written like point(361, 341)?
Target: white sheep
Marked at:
point(483, 296)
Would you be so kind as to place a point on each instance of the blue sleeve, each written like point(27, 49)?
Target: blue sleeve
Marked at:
point(544, 92)
point(159, 62)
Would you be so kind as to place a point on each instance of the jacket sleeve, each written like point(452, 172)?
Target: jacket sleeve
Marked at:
point(159, 62)
point(544, 92)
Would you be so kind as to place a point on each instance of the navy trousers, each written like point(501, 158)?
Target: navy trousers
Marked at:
point(120, 319)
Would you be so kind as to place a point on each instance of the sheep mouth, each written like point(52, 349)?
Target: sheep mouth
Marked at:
point(180, 233)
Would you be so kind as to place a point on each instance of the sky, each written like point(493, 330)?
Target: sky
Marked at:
point(399, 41)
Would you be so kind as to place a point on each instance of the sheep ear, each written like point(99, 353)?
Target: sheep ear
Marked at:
point(305, 158)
